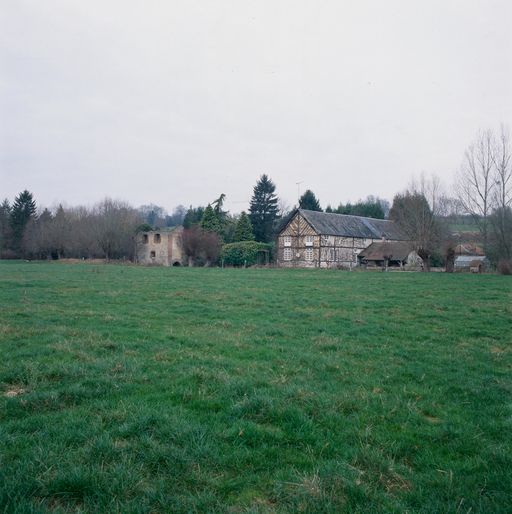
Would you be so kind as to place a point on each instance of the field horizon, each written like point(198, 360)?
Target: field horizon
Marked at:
point(148, 389)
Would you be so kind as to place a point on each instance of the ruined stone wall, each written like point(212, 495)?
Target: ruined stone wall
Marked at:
point(160, 247)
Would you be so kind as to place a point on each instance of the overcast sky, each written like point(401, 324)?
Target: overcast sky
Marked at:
point(175, 102)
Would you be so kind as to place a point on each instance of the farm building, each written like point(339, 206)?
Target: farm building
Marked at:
point(391, 254)
point(313, 239)
point(473, 263)
point(161, 247)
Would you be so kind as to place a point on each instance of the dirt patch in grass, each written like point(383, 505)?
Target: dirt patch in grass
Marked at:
point(14, 391)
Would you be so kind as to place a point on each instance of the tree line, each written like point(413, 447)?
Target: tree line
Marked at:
point(107, 230)
point(483, 192)
point(103, 231)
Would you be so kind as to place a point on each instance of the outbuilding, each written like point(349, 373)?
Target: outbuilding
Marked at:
point(391, 254)
point(472, 263)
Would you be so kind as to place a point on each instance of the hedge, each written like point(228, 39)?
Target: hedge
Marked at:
point(244, 253)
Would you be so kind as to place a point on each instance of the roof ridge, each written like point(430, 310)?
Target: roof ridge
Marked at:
point(349, 215)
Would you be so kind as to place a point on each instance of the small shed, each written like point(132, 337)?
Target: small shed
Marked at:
point(472, 263)
point(391, 254)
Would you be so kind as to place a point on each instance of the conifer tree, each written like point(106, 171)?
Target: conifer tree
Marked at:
point(22, 211)
point(243, 230)
point(193, 216)
point(5, 226)
point(309, 201)
point(210, 221)
point(263, 209)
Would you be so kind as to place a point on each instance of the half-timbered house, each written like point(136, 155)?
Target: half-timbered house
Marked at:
point(313, 239)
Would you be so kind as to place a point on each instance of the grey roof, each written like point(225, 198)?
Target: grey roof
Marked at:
point(466, 260)
point(393, 250)
point(330, 224)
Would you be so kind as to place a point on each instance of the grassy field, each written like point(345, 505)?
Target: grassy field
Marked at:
point(145, 390)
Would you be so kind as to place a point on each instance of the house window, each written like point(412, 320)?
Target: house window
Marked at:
point(325, 240)
point(287, 240)
point(332, 254)
point(145, 239)
point(157, 238)
point(309, 240)
point(287, 254)
point(309, 254)
point(152, 254)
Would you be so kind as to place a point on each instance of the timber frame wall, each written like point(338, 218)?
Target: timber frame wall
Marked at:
point(327, 251)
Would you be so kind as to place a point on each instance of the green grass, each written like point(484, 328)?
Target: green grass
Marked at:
point(464, 227)
point(130, 389)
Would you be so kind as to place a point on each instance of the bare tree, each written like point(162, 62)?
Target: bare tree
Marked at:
point(211, 247)
point(502, 159)
point(81, 240)
point(417, 211)
point(501, 219)
point(200, 246)
point(191, 241)
point(115, 224)
point(37, 240)
point(153, 215)
point(475, 184)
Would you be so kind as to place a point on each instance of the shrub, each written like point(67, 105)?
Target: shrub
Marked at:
point(200, 247)
point(505, 267)
point(245, 253)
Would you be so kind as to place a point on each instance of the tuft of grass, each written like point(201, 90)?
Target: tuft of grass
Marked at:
point(131, 389)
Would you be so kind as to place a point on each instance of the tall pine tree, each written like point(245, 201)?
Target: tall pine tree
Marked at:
point(22, 211)
point(243, 230)
point(309, 201)
point(263, 209)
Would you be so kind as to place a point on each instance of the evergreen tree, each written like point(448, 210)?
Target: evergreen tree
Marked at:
point(243, 230)
point(22, 211)
point(309, 201)
point(263, 209)
point(5, 226)
point(217, 208)
point(193, 217)
point(372, 207)
point(210, 221)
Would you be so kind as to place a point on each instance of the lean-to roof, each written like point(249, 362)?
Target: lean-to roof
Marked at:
point(393, 250)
